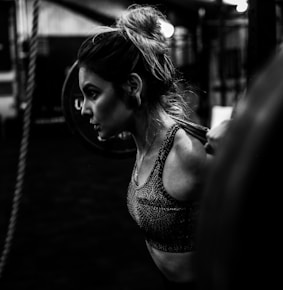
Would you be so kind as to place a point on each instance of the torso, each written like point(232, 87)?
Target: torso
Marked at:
point(175, 216)
point(177, 267)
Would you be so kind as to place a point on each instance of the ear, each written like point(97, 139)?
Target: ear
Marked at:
point(133, 88)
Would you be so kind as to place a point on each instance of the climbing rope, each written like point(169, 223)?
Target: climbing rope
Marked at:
point(25, 138)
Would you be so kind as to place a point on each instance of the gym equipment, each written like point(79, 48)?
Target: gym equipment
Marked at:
point(71, 99)
point(239, 235)
point(24, 140)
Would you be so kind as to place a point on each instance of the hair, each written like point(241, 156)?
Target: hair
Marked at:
point(135, 43)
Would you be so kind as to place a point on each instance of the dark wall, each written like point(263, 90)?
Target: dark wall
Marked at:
point(5, 54)
point(56, 54)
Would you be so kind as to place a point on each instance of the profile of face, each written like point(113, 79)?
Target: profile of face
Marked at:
point(107, 111)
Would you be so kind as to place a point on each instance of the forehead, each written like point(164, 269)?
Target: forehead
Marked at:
point(88, 77)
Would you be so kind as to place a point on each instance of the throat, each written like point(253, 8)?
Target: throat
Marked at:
point(144, 167)
point(141, 157)
point(147, 154)
point(136, 176)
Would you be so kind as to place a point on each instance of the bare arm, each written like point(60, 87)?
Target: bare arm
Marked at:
point(184, 167)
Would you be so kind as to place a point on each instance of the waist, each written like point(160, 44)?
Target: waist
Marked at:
point(177, 267)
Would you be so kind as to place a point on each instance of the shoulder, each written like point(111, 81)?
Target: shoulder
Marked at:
point(186, 146)
point(184, 166)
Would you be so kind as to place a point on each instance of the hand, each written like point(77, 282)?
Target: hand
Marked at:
point(215, 136)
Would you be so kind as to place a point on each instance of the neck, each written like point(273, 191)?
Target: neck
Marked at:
point(148, 138)
point(146, 133)
point(145, 138)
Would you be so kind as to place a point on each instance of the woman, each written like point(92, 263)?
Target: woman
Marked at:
point(129, 84)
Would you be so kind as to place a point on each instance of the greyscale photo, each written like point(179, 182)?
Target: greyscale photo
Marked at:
point(140, 144)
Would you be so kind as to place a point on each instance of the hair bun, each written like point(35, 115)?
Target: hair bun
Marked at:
point(142, 20)
point(142, 26)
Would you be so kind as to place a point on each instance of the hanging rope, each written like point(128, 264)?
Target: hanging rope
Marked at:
point(25, 138)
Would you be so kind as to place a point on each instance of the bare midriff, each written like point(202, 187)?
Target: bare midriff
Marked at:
point(177, 267)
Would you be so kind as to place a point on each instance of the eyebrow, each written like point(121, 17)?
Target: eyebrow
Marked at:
point(92, 86)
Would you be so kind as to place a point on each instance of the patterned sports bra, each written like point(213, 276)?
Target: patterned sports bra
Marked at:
point(168, 224)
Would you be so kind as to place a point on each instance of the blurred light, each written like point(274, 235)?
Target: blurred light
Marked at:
point(167, 28)
point(233, 2)
point(201, 12)
point(242, 7)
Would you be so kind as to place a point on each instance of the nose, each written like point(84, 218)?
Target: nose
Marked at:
point(85, 110)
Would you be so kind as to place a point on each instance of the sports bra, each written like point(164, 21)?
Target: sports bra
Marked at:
point(167, 223)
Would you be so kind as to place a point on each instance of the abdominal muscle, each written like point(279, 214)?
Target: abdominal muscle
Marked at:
point(176, 267)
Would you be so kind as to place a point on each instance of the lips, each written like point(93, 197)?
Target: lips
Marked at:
point(96, 126)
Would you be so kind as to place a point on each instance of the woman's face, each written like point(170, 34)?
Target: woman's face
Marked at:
point(106, 109)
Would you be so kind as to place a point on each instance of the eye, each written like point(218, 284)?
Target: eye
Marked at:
point(91, 93)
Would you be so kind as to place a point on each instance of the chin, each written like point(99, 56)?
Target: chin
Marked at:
point(101, 139)
point(104, 136)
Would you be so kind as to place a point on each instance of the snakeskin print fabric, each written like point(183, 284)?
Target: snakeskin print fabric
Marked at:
point(168, 224)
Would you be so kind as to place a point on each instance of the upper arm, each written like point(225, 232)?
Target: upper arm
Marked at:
point(184, 167)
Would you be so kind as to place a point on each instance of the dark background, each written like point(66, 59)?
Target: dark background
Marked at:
point(73, 230)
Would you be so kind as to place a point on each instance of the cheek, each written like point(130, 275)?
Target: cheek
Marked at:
point(115, 114)
point(111, 104)
point(106, 107)
point(117, 111)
